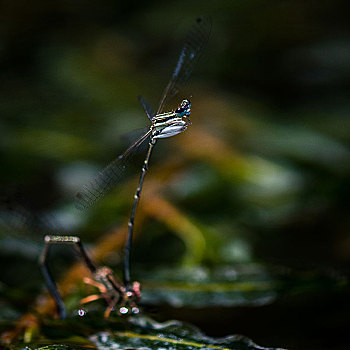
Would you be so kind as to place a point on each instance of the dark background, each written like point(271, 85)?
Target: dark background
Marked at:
point(263, 172)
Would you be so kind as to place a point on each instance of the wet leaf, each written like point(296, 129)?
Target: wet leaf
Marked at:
point(138, 332)
point(148, 334)
point(60, 347)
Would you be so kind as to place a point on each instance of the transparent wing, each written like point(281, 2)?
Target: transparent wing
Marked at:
point(22, 227)
point(17, 223)
point(147, 108)
point(108, 177)
point(129, 137)
point(19, 218)
point(190, 53)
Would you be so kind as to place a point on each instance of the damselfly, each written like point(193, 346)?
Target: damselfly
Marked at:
point(113, 291)
point(162, 125)
point(19, 221)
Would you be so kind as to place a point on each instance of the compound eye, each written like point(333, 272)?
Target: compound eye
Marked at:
point(180, 110)
point(186, 104)
point(184, 108)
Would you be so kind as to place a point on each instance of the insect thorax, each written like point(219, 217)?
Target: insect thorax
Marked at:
point(172, 123)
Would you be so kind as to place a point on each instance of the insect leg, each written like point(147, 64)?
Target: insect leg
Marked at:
point(50, 282)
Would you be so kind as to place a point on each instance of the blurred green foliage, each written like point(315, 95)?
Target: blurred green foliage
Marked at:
point(262, 175)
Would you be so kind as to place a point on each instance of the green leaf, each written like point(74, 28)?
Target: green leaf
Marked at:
point(149, 334)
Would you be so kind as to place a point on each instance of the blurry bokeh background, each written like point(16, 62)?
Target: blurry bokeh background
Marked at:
point(259, 181)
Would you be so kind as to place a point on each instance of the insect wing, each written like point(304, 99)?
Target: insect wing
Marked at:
point(189, 56)
point(147, 108)
point(108, 177)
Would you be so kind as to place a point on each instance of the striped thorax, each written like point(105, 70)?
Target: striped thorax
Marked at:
point(172, 123)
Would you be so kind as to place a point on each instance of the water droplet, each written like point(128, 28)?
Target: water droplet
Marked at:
point(81, 312)
point(135, 310)
point(123, 310)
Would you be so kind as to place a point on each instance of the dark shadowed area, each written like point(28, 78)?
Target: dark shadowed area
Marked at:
point(243, 225)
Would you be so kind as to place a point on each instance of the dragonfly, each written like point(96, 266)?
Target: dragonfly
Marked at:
point(162, 125)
